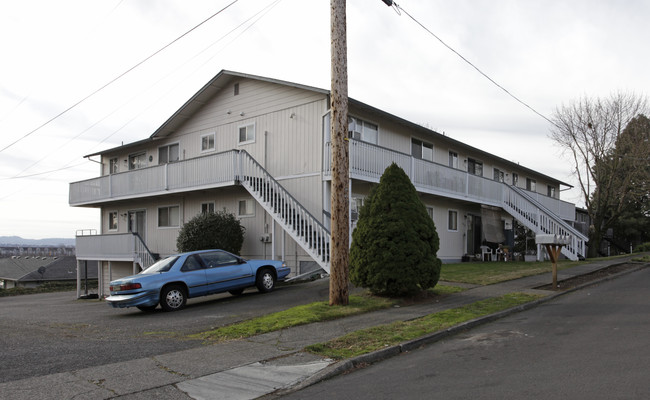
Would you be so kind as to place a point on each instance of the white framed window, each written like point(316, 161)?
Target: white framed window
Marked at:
point(112, 221)
point(168, 153)
point(169, 217)
point(247, 134)
point(421, 150)
point(452, 220)
point(246, 208)
point(515, 179)
point(551, 191)
point(207, 142)
point(453, 159)
point(430, 211)
point(498, 175)
point(114, 166)
point(207, 208)
point(474, 167)
point(362, 130)
point(137, 160)
point(531, 184)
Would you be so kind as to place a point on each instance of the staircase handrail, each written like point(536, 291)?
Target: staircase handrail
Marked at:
point(145, 256)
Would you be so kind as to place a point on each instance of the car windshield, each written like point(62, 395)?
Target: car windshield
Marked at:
point(161, 266)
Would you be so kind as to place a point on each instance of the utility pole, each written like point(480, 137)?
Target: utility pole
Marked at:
point(340, 244)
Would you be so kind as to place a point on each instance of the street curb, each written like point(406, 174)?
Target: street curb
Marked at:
point(347, 365)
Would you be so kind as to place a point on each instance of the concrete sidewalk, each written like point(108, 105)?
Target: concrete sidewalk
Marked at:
point(273, 362)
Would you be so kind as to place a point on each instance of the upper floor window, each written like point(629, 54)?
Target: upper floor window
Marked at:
point(551, 191)
point(235, 88)
point(168, 217)
point(138, 160)
point(207, 142)
point(515, 179)
point(167, 154)
point(430, 211)
point(247, 134)
point(207, 208)
point(531, 184)
point(498, 175)
point(114, 166)
point(453, 159)
point(112, 221)
point(421, 150)
point(474, 167)
point(362, 130)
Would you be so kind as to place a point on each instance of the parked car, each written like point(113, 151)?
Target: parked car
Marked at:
point(172, 280)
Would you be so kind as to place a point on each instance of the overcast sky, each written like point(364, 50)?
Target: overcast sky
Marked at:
point(56, 53)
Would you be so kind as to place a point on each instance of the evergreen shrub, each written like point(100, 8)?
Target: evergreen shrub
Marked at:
point(220, 230)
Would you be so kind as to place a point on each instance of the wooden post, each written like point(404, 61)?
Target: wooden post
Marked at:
point(339, 247)
point(553, 251)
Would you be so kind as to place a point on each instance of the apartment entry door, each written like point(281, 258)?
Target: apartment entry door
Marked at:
point(474, 234)
point(137, 222)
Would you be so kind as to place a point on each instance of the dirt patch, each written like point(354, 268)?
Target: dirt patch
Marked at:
point(569, 283)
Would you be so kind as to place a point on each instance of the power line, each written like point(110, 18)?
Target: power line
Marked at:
point(399, 11)
point(115, 79)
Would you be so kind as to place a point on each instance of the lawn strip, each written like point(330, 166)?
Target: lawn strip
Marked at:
point(487, 273)
point(375, 338)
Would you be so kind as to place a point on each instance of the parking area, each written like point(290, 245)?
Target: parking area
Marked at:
point(54, 332)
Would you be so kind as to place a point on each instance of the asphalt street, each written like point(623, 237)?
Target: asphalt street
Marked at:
point(593, 343)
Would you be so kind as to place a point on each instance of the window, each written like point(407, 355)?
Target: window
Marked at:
point(112, 221)
point(167, 154)
point(207, 142)
point(515, 178)
point(207, 208)
point(168, 217)
point(236, 89)
point(452, 220)
point(498, 175)
point(430, 211)
point(247, 134)
point(218, 258)
point(138, 160)
point(362, 130)
point(453, 159)
point(474, 167)
point(113, 166)
point(246, 208)
point(421, 150)
point(531, 184)
point(551, 191)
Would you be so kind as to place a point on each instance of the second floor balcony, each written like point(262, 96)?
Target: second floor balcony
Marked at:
point(367, 163)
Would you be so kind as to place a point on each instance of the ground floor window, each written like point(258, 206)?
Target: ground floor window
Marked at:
point(452, 220)
point(112, 221)
point(246, 208)
point(207, 208)
point(168, 217)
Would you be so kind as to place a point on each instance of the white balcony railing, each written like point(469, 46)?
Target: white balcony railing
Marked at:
point(196, 173)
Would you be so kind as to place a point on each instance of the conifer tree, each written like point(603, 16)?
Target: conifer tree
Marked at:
point(395, 244)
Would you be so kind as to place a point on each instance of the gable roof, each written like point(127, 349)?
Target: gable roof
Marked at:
point(225, 77)
point(26, 269)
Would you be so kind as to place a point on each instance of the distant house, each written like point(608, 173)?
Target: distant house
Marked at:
point(32, 271)
point(260, 148)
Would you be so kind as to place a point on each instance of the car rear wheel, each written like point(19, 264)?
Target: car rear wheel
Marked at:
point(236, 292)
point(265, 281)
point(147, 308)
point(173, 298)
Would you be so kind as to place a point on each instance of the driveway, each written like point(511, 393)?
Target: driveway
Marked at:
point(54, 332)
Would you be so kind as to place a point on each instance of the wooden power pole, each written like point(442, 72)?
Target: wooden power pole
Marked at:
point(340, 244)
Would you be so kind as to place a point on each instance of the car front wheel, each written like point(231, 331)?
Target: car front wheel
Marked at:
point(265, 281)
point(173, 298)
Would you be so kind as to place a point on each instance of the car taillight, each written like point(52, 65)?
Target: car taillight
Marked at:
point(125, 286)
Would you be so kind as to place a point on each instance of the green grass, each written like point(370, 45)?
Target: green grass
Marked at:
point(375, 338)
point(299, 315)
point(487, 273)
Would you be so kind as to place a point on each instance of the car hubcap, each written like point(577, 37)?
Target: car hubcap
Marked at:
point(267, 281)
point(174, 299)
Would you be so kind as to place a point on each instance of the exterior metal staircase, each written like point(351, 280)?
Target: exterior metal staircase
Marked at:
point(303, 227)
point(541, 220)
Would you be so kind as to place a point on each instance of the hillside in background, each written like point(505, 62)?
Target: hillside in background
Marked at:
point(18, 241)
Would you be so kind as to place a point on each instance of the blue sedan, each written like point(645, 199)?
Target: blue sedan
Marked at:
point(171, 281)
